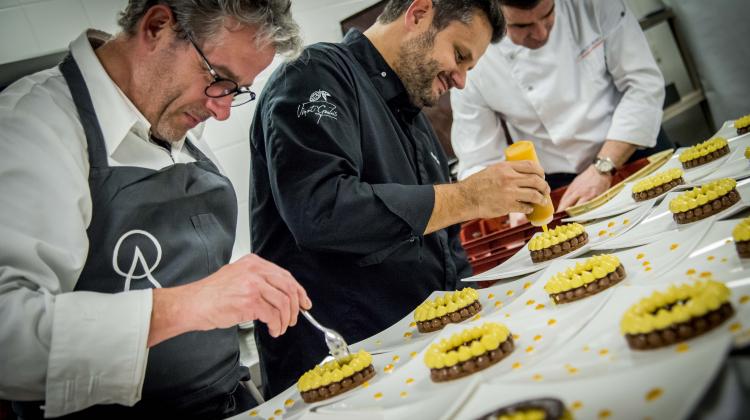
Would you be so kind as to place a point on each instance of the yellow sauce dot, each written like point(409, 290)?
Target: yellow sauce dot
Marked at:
point(378, 395)
point(516, 336)
point(673, 247)
point(507, 315)
point(611, 234)
point(605, 414)
point(404, 394)
point(646, 263)
point(278, 412)
point(577, 405)
point(744, 299)
point(537, 337)
point(498, 304)
point(690, 272)
point(412, 324)
point(654, 394)
point(271, 418)
point(682, 348)
point(253, 413)
point(728, 241)
point(509, 293)
point(388, 368)
point(516, 365)
point(527, 285)
point(407, 334)
point(289, 403)
point(647, 269)
point(710, 258)
point(626, 221)
point(491, 296)
point(477, 316)
point(706, 274)
point(586, 348)
point(639, 256)
point(724, 260)
point(539, 306)
point(529, 349)
point(735, 327)
point(396, 358)
point(413, 354)
point(530, 302)
point(551, 322)
point(365, 384)
point(603, 352)
point(378, 342)
point(602, 232)
point(610, 224)
point(572, 370)
point(537, 377)
point(409, 381)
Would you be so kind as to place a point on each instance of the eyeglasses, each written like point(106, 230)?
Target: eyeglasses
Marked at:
point(222, 87)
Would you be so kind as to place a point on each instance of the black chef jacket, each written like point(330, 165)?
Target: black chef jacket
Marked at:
point(343, 167)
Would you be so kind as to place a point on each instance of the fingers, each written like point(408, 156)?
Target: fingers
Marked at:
point(530, 196)
point(568, 199)
point(527, 167)
point(280, 316)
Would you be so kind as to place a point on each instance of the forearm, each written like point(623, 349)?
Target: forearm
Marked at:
point(452, 205)
point(618, 151)
point(171, 314)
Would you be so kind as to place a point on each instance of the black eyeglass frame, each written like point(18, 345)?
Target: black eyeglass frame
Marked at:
point(233, 87)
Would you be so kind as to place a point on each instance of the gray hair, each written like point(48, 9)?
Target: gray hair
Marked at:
point(202, 19)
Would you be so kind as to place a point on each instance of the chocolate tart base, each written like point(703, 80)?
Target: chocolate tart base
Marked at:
point(705, 159)
point(658, 190)
point(708, 209)
point(592, 288)
point(743, 248)
point(455, 317)
point(336, 388)
point(553, 408)
point(680, 332)
point(743, 130)
point(474, 364)
point(560, 249)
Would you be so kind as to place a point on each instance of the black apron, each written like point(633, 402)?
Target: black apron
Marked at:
point(161, 228)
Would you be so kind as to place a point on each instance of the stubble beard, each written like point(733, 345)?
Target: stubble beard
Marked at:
point(417, 70)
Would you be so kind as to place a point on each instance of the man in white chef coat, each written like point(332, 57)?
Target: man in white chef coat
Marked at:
point(574, 76)
point(117, 298)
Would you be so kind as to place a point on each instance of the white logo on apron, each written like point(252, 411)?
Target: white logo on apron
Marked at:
point(137, 259)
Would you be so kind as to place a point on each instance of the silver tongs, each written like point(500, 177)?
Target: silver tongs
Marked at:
point(335, 342)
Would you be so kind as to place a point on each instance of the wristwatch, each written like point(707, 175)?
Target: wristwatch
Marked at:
point(604, 165)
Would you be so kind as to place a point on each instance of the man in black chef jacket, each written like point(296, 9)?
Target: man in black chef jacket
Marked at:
point(349, 181)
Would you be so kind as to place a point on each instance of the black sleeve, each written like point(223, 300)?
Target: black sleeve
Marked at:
point(312, 145)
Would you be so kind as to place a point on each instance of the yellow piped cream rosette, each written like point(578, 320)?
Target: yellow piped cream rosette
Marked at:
point(708, 150)
point(335, 377)
point(452, 307)
point(557, 242)
point(679, 314)
point(742, 124)
point(741, 236)
point(468, 351)
point(704, 201)
point(646, 188)
point(585, 278)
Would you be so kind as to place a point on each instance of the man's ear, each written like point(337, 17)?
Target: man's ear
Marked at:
point(156, 26)
point(418, 16)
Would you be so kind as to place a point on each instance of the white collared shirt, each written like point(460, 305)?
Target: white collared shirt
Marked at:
point(70, 348)
point(594, 80)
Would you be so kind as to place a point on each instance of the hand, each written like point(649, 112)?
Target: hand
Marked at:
point(506, 187)
point(250, 288)
point(589, 184)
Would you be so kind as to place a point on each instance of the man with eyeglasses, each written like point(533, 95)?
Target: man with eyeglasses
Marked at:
point(116, 296)
point(350, 184)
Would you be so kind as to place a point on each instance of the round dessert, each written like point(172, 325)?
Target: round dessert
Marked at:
point(704, 201)
point(742, 125)
point(557, 242)
point(455, 307)
point(536, 409)
point(679, 314)
point(705, 152)
point(657, 185)
point(468, 351)
point(585, 278)
point(741, 235)
point(335, 377)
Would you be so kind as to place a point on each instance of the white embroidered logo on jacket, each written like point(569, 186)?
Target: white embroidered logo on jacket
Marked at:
point(318, 105)
point(138, 259)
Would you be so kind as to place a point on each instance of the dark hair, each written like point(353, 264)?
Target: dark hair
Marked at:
point(447, 11)
point(520, 4)
point(203, 18)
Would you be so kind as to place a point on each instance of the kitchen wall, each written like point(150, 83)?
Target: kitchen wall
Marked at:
point(34, 28)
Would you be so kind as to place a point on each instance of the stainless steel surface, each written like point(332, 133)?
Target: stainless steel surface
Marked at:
point(335, 342)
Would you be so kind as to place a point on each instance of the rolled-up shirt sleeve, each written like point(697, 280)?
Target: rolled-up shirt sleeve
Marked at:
point(316, 167)
point(477, 135)
point(70, 349)
point(637, 117)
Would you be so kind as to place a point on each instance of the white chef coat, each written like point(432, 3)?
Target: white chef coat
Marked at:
point(71, 349)
point(594, 80)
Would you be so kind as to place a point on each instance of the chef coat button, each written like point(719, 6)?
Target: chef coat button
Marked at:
point(382, 74)
point(530, 88)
